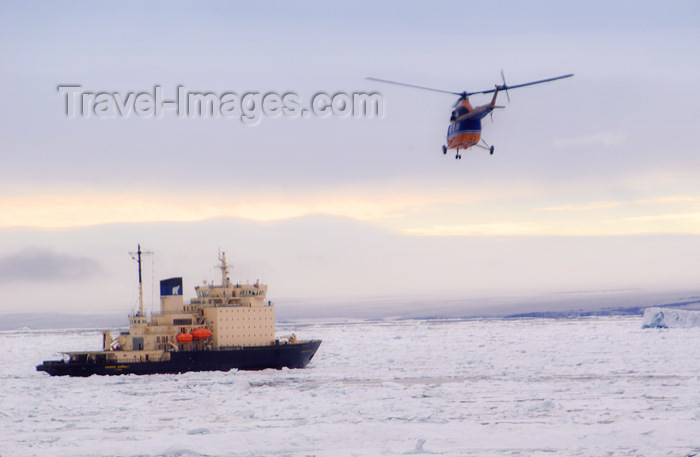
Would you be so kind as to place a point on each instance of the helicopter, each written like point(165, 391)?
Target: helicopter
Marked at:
point(465, 121)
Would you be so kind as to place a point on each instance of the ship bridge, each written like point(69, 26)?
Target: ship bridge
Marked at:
point(228, 293)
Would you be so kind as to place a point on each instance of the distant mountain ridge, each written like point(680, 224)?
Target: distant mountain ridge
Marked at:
point(321, 256)
point(368, 310)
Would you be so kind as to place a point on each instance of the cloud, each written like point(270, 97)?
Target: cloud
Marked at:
point(38, 264)
point(77, 209)
point(691, 217)
point(587, 207)
point(489, 229)
point(667, 200)
point(600, 139)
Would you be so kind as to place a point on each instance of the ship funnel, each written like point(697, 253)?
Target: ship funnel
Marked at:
point(171, 295)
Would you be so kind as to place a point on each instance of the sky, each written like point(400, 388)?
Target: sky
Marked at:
point(595, 180)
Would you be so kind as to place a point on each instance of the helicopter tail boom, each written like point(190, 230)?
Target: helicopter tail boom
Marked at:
point(506, 87)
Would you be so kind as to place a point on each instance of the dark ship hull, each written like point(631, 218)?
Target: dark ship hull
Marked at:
point(290, 355)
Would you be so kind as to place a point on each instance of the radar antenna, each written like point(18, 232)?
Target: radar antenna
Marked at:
point(224, 269)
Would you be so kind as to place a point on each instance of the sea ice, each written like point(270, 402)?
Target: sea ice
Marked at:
point(487, 387)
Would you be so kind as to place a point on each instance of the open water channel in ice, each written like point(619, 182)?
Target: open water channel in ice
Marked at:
point(530, 387)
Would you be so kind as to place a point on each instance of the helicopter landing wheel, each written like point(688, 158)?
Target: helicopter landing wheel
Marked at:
point(491, 150)
point(444, 149)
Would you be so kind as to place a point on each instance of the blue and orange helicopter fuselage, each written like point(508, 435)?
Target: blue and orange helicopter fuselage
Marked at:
point(465, 125)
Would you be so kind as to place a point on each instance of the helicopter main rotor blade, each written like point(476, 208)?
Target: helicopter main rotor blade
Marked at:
point(415, 86)
point(506, 87)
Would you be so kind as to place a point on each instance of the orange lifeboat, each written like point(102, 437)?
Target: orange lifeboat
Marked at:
point(200, 333)
point(184, 337)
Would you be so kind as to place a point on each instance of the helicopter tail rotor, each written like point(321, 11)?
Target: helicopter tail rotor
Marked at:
point(505, 86)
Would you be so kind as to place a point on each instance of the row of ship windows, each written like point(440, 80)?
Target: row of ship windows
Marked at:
point(238, 327)
point(207, 293)
point(242, 293)
point(254, 335)
point(195, 308)
point(250, 293)
point(247, 310)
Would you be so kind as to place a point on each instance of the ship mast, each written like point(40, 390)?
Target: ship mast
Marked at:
point(224, 269)
point(138, 259)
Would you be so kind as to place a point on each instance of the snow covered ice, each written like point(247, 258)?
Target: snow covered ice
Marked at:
point(656, 317)
point(570, 387)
